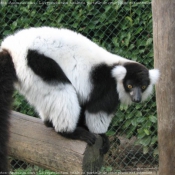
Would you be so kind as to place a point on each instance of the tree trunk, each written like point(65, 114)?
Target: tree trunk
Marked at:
point(164, 55)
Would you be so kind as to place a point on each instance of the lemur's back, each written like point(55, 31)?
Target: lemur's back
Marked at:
point(74, 53)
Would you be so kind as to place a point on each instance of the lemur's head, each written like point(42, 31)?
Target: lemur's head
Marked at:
point(134, 82)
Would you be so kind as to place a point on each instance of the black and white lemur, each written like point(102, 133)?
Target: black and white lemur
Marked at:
point(74, 84)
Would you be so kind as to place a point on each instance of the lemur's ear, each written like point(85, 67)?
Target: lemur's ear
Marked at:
point(154, 75)
point(119, 72)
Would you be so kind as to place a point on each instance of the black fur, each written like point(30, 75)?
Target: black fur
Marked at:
point(48, 124)
point(80, 134)
point(105, 145)
point(137, 75)
point(46, 68)
point(104, 96)
point(82, 121)
point(7, 78)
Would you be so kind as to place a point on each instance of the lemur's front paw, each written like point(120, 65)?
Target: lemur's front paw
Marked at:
point(91, 139)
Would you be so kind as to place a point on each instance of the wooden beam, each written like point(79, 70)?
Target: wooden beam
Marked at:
point(32, 142)
point(164, 55)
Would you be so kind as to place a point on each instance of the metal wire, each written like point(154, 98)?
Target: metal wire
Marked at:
point(122, 27)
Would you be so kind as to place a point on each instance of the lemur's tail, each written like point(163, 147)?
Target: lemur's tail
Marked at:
point(7, 79)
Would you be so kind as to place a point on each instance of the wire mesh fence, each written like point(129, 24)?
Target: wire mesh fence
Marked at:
point(121, 27)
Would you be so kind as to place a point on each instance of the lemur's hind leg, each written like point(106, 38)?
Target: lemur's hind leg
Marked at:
point(63, 115)
point(80, 133)
point(60, 108)
point(98, 123)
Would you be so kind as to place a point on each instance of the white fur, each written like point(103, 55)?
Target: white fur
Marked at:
point(154, 75)
point(147, 92)
point(73, 52)
point(56, 103)
point(76, 55)
point(98, 123)
point(119, 73)
point(123, 96)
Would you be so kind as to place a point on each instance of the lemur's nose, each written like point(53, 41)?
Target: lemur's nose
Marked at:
point(136, 95)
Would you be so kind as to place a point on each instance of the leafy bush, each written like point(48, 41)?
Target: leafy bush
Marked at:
point(124, 29)
point(21, 105)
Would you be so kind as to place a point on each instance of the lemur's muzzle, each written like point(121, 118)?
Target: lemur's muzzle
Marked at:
point(136, 95)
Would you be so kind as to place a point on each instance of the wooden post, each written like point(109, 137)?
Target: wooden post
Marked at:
point(32, 142)
point(164, 55)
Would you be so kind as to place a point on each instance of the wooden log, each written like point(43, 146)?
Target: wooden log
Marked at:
point(164, 55)
point(32, 142)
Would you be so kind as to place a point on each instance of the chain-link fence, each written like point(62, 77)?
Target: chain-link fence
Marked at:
point(120, 26)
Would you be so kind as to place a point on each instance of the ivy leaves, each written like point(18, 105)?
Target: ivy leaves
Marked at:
point(123, 29)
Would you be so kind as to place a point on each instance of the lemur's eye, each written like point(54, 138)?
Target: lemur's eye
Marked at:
point(129, 86)
point(143, 87)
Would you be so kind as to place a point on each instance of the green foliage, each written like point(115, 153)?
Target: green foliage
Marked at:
point(137, 120)
point(21, 105)
point(34, 170)
point(106, 169)
point(121, 28)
